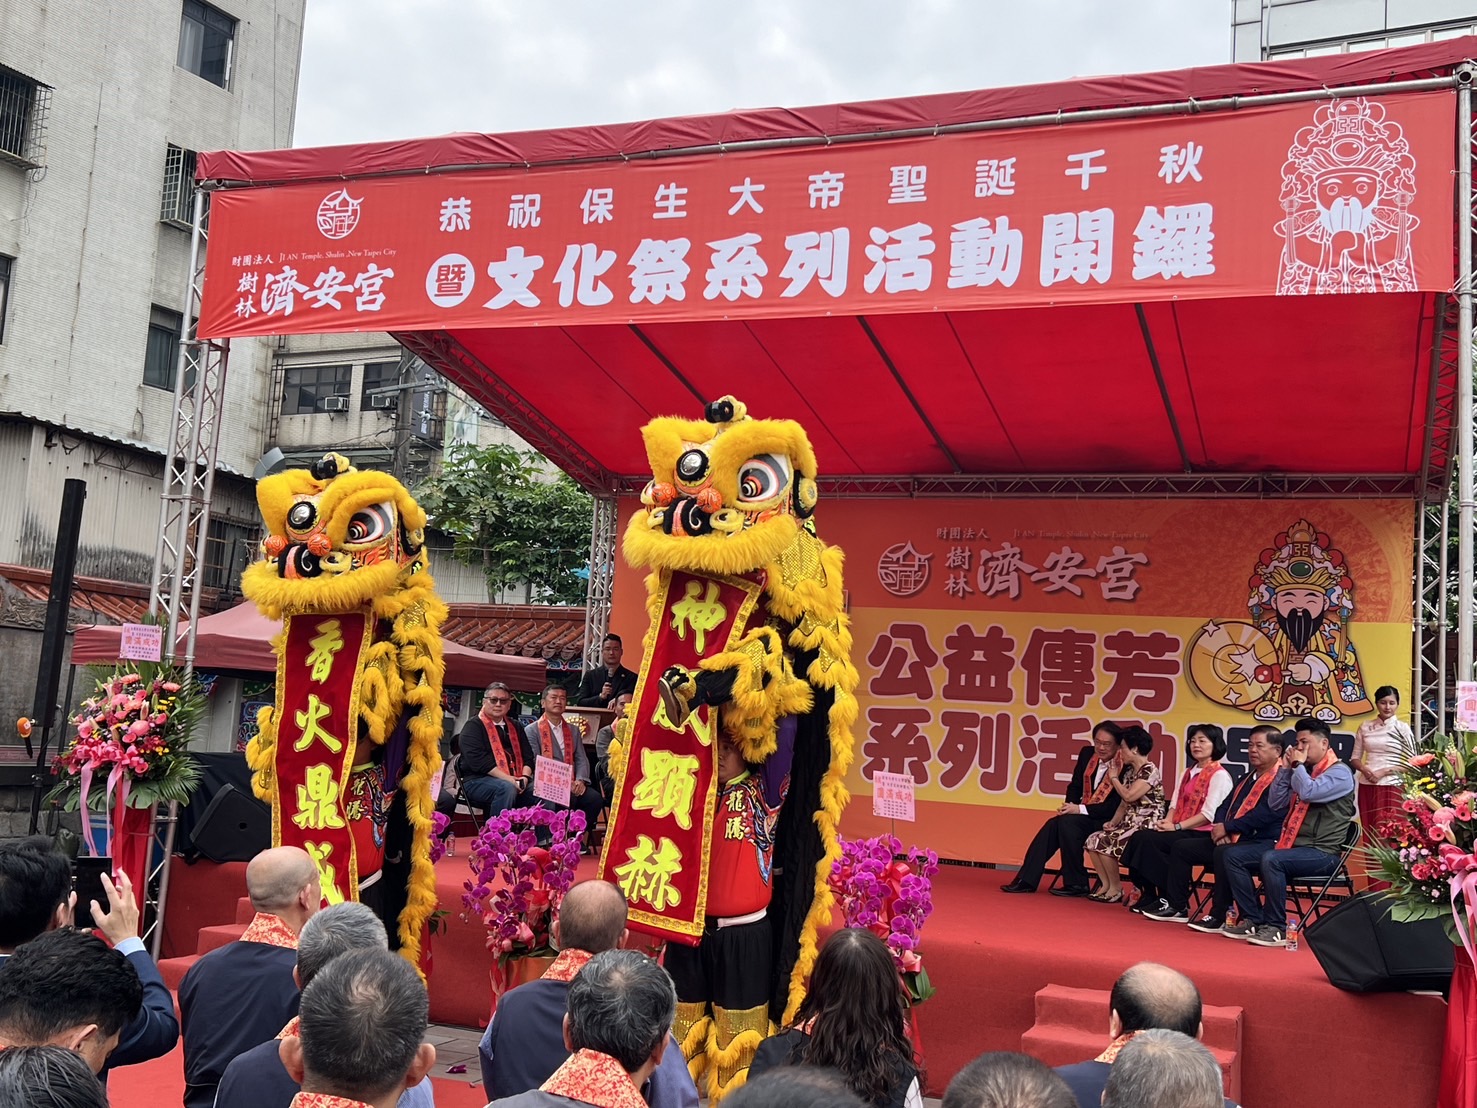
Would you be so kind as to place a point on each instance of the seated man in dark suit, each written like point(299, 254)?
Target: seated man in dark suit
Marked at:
point(258, 1078)
point(524, 1043)
point(1091, 802)
point(66, 988)
point(36, 896)
point(618, 1030)
point(496, 764)
point(601, 685)
point(242, 993)
point(1146, 996)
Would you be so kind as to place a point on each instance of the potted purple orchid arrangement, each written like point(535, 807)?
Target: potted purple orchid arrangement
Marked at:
point(888, 891)
point(517, 886)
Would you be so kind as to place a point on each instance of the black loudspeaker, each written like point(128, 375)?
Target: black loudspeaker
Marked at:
point(1363, 950)
point(235, 827)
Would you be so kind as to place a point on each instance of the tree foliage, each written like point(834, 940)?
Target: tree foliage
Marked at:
point(506, 516)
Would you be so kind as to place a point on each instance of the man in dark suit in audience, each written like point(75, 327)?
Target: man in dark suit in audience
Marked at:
point(242, 993)
point(524, 1042)
point(1091, 802)
point(1146, 996)
point(36, 896)
point(258, 1078)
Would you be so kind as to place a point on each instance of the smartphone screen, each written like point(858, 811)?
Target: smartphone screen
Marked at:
point(87, 875)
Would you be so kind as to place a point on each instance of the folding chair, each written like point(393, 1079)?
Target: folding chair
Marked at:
point(1339, 879)
point(464, 807)
point(1202, 888)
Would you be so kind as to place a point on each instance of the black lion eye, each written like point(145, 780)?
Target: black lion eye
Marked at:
point(692, 465)
point(301, 516)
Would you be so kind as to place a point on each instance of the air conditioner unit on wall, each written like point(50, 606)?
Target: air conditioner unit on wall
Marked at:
point(334, 404)
point(384, 401)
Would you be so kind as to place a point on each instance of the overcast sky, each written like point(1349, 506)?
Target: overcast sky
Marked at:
point(387, 69)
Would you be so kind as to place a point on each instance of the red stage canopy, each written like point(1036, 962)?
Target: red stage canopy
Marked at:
point(1080, 295)
point(240, 639)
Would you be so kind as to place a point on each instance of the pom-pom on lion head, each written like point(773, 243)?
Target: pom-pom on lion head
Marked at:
point(337, 537)
point(727, 495)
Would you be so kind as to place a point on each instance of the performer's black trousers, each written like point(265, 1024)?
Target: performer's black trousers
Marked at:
point(730, 968)
point(1067, 834)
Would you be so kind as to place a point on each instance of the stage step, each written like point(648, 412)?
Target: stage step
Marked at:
point(219, 935)
point(173, 970)
point(1072, 1026)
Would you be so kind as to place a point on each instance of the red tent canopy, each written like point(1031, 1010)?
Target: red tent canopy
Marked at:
point(240, 639)
point(937, 355)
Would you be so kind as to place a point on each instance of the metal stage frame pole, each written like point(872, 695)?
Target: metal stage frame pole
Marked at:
point(1465, 502)
point(600, 587)
point(184, 507)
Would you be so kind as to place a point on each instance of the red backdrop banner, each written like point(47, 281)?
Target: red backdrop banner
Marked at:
point(1349, 195)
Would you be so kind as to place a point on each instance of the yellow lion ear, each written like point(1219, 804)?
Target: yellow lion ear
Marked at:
point(806, 495)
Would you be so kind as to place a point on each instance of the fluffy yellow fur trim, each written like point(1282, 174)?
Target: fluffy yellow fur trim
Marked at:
point(721, 553)
point(339, 498)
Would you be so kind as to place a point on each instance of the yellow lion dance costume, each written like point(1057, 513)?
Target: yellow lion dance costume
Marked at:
point(347, 754)
point(730, 767)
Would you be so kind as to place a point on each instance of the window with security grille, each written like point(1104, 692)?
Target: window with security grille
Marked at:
point(316, 388)
point(379, 375)
point(5, 264)
point(207, 37)
point(177, 205)
point(228, 549)
point(162, 354)
point(24, 106)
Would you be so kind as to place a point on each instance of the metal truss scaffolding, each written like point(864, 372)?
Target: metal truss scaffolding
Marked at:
point(184, 507)
point(602, 577)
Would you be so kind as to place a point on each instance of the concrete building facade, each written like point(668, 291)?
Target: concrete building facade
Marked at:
point(1263, 30)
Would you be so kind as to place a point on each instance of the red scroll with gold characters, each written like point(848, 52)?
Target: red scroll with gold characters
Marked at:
point(317, 713)
point(662, 815)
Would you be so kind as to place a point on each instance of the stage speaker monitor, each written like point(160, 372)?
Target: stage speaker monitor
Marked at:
point(1363, 950)
point(235, 827)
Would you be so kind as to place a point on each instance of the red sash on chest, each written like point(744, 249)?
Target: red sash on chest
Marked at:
point(1192, 794)
point(1299, 810)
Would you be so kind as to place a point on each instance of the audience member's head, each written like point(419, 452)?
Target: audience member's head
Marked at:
point(70, 989)
point(1149, 995)
point(361, 1021)
point(1006, 1080)
point(856, 1008)
point(48, 1077)
point(1136, 740)
point(337, 930)
point(283, 882)
point(622, 1005)
point(592, 918)
point(35, 892)
point(795, 1087)
point(1164, 1069)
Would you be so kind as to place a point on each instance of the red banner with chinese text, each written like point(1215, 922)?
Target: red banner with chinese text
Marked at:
point(661, 819)
point(1348, 195)
point(318, 672)
point(992, 634)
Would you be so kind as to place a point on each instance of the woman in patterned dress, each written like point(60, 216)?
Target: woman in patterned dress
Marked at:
point(1142, 794)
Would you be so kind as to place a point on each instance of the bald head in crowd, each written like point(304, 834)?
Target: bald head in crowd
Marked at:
point(1149, 995)
point(283, 882)
point(592, 918)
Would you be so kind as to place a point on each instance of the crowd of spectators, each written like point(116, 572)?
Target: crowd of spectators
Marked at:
point(309, 1009)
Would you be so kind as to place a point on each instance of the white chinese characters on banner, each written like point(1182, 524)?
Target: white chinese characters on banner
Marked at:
point(985, 249)
point(893, 796)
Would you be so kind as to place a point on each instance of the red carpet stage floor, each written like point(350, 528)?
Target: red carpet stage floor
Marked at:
point(988, 953)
